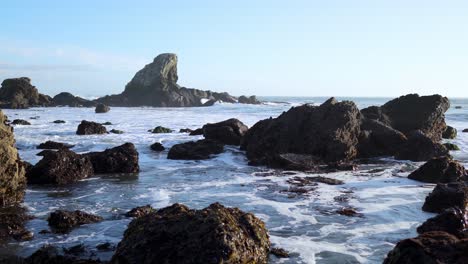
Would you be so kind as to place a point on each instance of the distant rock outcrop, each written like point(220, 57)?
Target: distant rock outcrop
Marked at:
point(156, 85)
point(68, 99)
point(18, 93)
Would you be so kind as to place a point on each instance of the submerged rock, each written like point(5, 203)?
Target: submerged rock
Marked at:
point(68, 99)
point(445, 196)
point(90, 128)
point(199, 150)
point(160, 130)
point(177, 234)
point(116, 131)
point(140, 211)
point(419, 147)
point(452, 220)
point(157, 147)
point(20, 122)
point(121, 159)
point(54, 145)
point(63, 221)
point(18, 93)
point(229, 132)
point(59, 122)
point(449, 133)
point(248, 100)
point(102, 108)
point(185, 130)
point(440, 170)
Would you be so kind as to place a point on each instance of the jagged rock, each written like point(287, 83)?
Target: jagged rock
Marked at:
point(116, 131)
point(12, 224)
point(60, 167)
point(440, 170)
point(419, 147)
point(50, 255)
point(121, 159)
point(445, 196)
point(197, 132)
point(413, 112)
point(157, 147)
point(199, 150)
point(248, 100)
point(228, 132)
point(12, 171)
point(430, 248)
point(18, 93)
point(451, 147)
point(160, 130)
point(177, 234)
point(453, 221)
point(63, 221)
point(68, 99)
point(59, 122)
point(102, 108)
point(90, 128)
point(377, 139)
point(20, 122)
point(329, 132)
point(449, 133)
point(54, 145)
point(140, 211)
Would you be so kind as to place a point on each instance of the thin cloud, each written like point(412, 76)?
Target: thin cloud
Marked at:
point(8, 67)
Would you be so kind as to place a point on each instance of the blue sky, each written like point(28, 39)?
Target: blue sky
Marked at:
point(285, 48)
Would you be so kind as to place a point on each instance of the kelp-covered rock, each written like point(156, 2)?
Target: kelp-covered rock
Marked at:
point(449, 133)
point(19, 93)
point(430, 248)
point(329, 132)
point(90, 128)
point(60, 167)
point(177, 234)
point(420, 147)
point(440, 170)
point(161, 129)
point(445, 196)
point(229, 132)
point(68, 99)
point(195, 150)
point(63, 221)
point(102, 108)
point(452, 220)
point(121, 159)
point(54, 145)
point(12, 171)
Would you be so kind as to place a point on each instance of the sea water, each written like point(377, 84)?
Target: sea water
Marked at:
point(306, 225)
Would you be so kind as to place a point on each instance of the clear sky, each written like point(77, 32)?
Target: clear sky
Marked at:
point(262, 47)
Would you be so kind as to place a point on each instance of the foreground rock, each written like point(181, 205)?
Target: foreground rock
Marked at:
point(229, 132)
point(18, 93)
point(453, 221)
point(177, 234)
point(12, 224)
point(64, 221)
point(121, 159)
point(445, 196)
point(449, 133)
point(60, 167)
point(54, 145)
point(440, 170)
point(199, 150)
point(430, 248)
point(90, 128)
point(156, 85)
point(420, 147)
point(12, 171)
point(102, 108)
point(377, 139)
point(68, 99)
point(20, 122)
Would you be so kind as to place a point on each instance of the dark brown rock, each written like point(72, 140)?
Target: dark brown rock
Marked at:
point(63, 221)
point(18, 93)
point(177, 234)
point(440, 170)
point(121, 159)
point(185, 130)
point(68, 99)
point(20, 122)
point(12, 224)
point(157, 146)
point(102, 108)
point(279, 252)
point(140, 211)
point(90, 128)
point(116, 131)
point(199, 150)
point(228, 132)
point(452, 220)
point(449, 133)
point(59, 122)
point(419, 147)
point(54, 145)
point(50, 255)
point(197, 132)
point(445, 196)
point(248, 100)
point(377, 139)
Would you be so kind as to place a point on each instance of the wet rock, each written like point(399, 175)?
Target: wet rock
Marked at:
point(107, 123)
point(20, 122)
point(59, 122)
point(60, 167)
point(18, 93)
point(452, 220)
point(105, 247)
point(140, 211)
point(121, 159)
point(50, 255)
point(440, 170)
point(116, 131)
point(430, 248)
point(157, 147)
point(304, 181)
point(279, 252)
point(419, 147)
point(12, 224)
point(12, 170)
point(197, 132)
point(449, 133)
point(377, 139)
point(248, 100)
point(465, 130)
point(75, 250)
point(90, 128)
point(68, 99)
point(445, 196)
point(329, 132)
point(102, 108)
point(160, 129)
point(54, 145)
point(451, 147)
point(42, 154)
point(228, 132)
point(199, 150)
point(347, 211)
point(185, 130)
point(177, 234)
point(63, 221)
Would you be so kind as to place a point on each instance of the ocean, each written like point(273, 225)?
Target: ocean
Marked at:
point(306, 225)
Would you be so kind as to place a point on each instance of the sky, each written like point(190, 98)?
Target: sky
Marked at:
point(262, 47)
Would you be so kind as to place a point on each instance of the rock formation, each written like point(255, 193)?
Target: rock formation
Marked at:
point(63, 221)
point(20, 93)
point(228, 132)
point(121, 159)
point(450, 133)
point(440, 170)
point(90, 128)
point(54, 145)
point(453, 221)
point(102, 108)
point(68, 99)
point(199, 150)
point(445, 196)
point(157, 146)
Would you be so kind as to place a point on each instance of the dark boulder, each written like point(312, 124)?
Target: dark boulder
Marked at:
point(377, 139)
point(199, 150)
point(140, 211)
point(465, 130)
point(160, 130)
point(229, 132)
point(19, 93)
point(453, 221)
point(63, 221)
point(20, 122)
point(445, 196)
point(329, 132)
point(157, 147)
point(102, 108)
point(59, 122)
point(449, 133)
point(248, 100)
point(60, 167)
point(197, 132)
point(121, 159)
point(68, 99)
point(54, 145)
point(185, 130)
point(50, 255)
point(419, 147)
point(13, 221)
point(116, 131)
point(177, 234)
point(90, 128)
point(440, 170)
